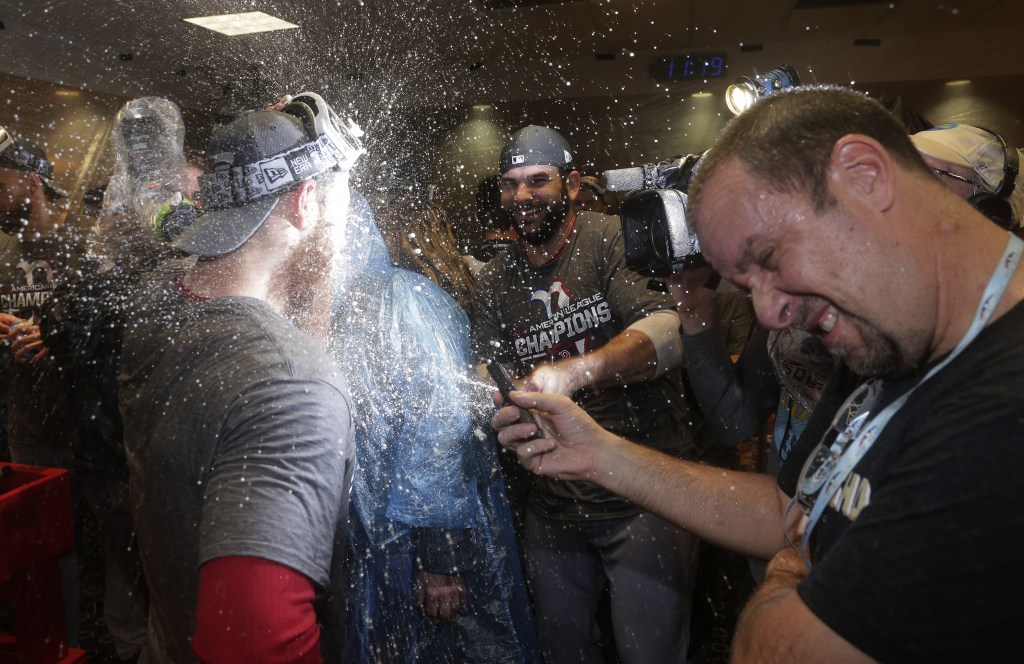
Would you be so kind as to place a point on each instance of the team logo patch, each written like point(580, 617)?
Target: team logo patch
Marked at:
point(275, 174)
point(518, 158)
point(555, 297)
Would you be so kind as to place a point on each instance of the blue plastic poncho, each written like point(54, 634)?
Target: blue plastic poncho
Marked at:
point(427, 492)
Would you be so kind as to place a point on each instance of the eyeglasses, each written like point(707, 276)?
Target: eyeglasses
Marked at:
point(847, 424)
point(940, 172)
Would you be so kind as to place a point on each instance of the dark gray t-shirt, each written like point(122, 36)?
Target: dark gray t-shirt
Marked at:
point(239, 441)
point(39, 407)
point(527, 315)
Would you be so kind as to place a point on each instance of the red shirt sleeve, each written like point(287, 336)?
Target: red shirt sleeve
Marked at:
point(254, 610)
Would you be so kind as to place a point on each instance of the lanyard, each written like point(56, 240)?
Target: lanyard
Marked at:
point(873, 428)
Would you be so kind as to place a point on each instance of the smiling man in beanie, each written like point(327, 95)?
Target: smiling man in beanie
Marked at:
point(237, 425)
point(560, 307)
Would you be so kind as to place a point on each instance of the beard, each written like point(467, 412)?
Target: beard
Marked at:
point(554, 216)
point(14, 219)
point(309, 284)
point(883, 354)
point(879, 353)
point(309, 287)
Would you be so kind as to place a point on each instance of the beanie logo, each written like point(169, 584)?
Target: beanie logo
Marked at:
point(275, 174)
point(518, 158)
point(568, 157)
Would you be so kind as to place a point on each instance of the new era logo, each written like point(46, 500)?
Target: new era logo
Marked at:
point(518, 158)
point(274, 174)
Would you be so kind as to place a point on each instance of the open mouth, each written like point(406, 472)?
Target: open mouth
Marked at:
point(828, 321)
point(825, 323)
point(529, 214)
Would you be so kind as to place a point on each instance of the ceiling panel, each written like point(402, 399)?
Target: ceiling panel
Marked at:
point(382, 55)
point(934, 17)
point(732, 24)
point(838, 23)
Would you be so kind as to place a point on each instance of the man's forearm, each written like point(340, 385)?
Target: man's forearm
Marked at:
point(778, 587)
point(628, 358)
point(776, 625)
point(736, 510)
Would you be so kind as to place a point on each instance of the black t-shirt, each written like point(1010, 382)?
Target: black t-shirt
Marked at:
point(924, 560)
point(41, 413)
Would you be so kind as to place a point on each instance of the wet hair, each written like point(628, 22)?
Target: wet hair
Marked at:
point(786, 141)
point(419, 237)
point(489, 212)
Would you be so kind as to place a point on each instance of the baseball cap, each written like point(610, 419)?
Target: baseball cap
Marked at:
point(256, 159)
point(537, 146)
point(965, 145)
point(24, 155)
point(248, 140)
point(594, 183)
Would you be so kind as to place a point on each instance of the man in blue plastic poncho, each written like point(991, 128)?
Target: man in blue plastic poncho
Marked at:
point(434, 573)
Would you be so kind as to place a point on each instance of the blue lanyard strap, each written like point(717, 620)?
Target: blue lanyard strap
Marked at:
point(873, 428)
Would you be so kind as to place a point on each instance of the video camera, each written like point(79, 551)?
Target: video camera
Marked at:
point(658, 240)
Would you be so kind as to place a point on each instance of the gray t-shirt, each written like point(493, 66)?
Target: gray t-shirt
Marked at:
point(239, 440)
point(527, 315)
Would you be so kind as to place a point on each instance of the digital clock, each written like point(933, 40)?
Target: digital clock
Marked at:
point(688, 67)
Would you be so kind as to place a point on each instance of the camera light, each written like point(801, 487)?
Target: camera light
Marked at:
point(744, 92)
point(740, 96)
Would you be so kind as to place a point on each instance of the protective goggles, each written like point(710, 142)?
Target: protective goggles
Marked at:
point(336, 145)
point(11, 153)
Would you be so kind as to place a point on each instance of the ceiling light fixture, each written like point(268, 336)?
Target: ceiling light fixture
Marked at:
point(241, 24)
point(68, 93)
point(961, 81)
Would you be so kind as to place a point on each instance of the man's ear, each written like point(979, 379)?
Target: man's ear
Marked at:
point(572, 184)
point(35, 182)
point(865, 168)
point(303, 198)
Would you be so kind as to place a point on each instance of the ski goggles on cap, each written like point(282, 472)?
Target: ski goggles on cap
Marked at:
point(344, 136)
point(335, 145)
point(18, 157)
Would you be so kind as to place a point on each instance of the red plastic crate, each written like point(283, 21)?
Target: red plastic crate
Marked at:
point(35, 529)
point(35, 516)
